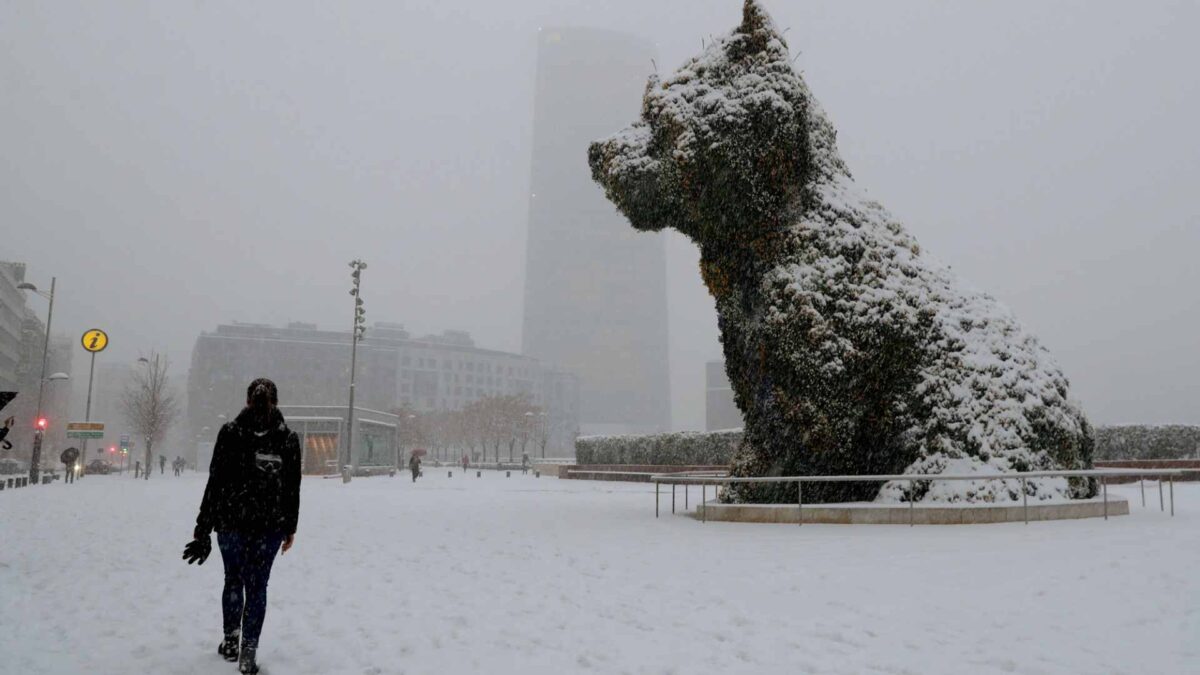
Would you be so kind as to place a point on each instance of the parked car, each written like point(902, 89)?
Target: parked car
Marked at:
point(99, 466)
point(9, 466)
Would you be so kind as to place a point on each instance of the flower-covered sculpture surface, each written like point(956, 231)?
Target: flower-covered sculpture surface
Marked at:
point(849, 350)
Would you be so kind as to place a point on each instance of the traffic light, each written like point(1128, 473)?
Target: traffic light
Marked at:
point(42, 424)
point(113, 449)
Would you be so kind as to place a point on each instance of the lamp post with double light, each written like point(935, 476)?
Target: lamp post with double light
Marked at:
point(40, 422)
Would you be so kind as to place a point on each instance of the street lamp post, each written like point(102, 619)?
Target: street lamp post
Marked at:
point(359, 328)
point(543, 432)
point(529, 431)
point(410, 436)
point(35, 459)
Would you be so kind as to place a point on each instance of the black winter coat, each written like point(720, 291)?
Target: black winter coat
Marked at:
point(254, 478)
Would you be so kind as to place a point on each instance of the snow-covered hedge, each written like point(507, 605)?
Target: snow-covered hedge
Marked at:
point(684, 448)
point(849, 350)
point(1137, 441)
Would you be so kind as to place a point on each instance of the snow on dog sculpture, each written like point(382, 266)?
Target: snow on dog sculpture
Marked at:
point(849, 351)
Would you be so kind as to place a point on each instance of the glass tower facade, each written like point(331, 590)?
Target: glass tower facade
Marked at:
point(595, 289)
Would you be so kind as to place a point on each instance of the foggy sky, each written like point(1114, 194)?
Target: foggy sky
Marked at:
point(179, 165)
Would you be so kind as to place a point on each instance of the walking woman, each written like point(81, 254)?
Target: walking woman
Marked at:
point(414, 465)
point(252, 500)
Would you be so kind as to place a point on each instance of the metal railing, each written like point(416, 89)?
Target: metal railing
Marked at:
point(703, 480)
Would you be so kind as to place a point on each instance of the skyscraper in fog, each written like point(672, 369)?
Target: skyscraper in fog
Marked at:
point(595, 289)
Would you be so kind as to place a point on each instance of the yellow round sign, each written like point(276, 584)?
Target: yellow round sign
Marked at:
point(95, 340)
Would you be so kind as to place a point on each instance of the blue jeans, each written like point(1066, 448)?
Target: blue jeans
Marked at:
point(248, 559)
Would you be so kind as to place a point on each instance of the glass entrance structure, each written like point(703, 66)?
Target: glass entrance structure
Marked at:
point(320, 429)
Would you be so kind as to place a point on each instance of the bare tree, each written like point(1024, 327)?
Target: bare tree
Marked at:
point(512, 413)
point(440, 429)
point(149, 403)
point(525, 430)
point(543, 428)
point(494, 421)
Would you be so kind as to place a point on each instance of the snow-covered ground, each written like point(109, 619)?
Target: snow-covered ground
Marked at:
point(526, 575)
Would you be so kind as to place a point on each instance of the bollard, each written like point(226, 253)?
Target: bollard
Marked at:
point(799, 503)
point(508, 474)
point(537, 474)
point(449, 474)
point(1025, 500)
point(1104, 487)
point(911, 502)
point(1160, 497)
point(478, 474)
point(672, 498)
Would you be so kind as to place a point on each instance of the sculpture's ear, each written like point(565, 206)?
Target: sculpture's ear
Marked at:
point(754, 17)
point(759, 30)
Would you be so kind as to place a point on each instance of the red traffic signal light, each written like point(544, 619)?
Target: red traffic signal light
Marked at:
point(113, 449)
point(42, 423)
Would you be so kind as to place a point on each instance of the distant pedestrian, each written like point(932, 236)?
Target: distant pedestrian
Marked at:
point(524, 463)
point(69, 458)
point(466, 462)
point(137, 469)
point(162, 465)
point(414, 465)
point(252, 500)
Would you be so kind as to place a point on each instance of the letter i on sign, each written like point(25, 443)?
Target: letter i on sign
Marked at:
point(95, 340)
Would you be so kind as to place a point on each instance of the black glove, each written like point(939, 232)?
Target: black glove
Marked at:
point(197, 550)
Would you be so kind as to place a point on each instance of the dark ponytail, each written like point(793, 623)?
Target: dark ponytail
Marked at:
point(262, 395)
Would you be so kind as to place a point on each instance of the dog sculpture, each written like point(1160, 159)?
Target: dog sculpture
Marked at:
point(849, 351)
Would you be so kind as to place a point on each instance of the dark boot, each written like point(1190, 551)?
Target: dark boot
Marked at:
point(246, 663)
point(229, 647)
